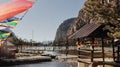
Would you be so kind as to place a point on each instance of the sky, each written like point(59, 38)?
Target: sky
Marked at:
point(43, 19)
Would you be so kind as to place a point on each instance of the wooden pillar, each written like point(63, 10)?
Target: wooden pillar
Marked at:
point(113, 49)
point(67, 47)
point(118, 54)
point(92, 54)
point(92, 51)
point(79, 48)
point(103, 53)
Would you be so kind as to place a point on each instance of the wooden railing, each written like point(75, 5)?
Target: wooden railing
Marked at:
point(87, 55)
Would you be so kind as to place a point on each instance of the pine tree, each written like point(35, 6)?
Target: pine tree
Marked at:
point(108, 11)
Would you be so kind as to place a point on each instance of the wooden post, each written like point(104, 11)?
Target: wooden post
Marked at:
point(103, 53)
point(92, 51)
point(118, 54)
point(92, 54)
point(67, 47)
point(113, 49)
point(79, 48)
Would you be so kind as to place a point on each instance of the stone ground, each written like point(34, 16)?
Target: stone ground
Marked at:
point(72, 60)
point(69, 59)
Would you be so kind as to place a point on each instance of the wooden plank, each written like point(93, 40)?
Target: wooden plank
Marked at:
point(112, 64)
point(84, 56)
point(108, 63)
point(88, 49)
point(87, 61)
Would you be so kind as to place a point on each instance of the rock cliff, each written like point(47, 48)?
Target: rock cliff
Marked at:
point(64, 29)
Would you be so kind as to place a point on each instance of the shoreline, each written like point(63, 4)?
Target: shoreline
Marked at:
point(37, 59)
point(24, 60)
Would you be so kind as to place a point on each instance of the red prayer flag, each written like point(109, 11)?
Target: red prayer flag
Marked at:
point(13, 8)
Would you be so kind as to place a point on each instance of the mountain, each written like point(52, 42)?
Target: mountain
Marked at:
point(106, 12)
point(64, 29)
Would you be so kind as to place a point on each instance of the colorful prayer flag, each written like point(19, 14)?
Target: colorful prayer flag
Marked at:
point(10, 23)
point(13, 8)
point(4, 35)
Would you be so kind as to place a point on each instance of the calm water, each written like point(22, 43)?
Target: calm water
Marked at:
point(46, 64)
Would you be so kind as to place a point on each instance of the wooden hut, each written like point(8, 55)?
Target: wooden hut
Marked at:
point(92, 32)
point(8, 50)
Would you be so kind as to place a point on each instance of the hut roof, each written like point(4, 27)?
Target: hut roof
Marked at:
point(85, 31)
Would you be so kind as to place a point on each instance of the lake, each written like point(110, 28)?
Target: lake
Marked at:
point(46, 64)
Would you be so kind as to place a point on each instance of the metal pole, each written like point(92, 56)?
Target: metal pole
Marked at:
point(32, 36)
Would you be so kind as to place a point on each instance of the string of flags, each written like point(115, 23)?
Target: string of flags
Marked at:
point(8, 11)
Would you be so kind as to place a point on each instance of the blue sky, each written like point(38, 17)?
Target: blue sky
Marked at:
point(44, 18)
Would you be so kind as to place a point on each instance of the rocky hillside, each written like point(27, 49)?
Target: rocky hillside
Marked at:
point(98, 11)
point(64, 29)
point(105, 12)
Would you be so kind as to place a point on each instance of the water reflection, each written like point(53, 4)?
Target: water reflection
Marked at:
point(46, 64)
